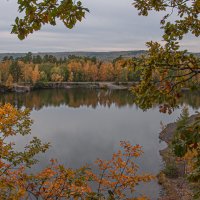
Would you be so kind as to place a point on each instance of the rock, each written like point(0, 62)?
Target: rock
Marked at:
point(168, 133)
point(4, 89)
point(21, 89)
point(68, 85)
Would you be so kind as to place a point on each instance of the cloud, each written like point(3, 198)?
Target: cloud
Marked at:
point(110, 25)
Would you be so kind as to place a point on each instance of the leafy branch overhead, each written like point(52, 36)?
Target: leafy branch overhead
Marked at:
point(165, 70)
point(163, 76)
point(38, 13)
point(185, 11)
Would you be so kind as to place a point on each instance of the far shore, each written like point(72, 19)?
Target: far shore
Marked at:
point(27, 87)
point(22, 87)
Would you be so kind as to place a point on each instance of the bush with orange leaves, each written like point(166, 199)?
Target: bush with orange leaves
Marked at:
point(117, 177)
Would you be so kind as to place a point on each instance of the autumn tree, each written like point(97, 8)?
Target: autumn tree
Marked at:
point(13, 163)
point(71, 77)
point(75, 68)
point(121, 69)
point(56, 74)
point(27, 70)
point(35, 74)
point(106, 71)
point(4, 70)
point(9, 82)
point(90, 71)
point(93, 72)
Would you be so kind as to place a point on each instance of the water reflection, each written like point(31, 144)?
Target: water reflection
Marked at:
point(191, 98)
point(85, 124)
point(78, 97)
point(71, 97)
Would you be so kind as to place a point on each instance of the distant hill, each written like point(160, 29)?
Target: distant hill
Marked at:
point(99, 55)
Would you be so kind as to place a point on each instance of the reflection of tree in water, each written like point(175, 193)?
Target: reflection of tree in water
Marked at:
point(69, 97)
point(78, 97)
point(191, 98)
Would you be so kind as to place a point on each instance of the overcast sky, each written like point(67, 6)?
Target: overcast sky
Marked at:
point(111, 25)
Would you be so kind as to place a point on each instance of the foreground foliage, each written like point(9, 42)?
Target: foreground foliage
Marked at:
point(186, 145)
point(116, 179)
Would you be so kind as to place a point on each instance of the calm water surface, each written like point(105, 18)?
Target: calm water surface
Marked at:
point(85, 124)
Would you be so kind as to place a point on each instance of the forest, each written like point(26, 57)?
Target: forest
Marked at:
point(36, 69)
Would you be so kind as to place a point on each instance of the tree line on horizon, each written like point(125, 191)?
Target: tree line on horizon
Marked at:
point(36, 69)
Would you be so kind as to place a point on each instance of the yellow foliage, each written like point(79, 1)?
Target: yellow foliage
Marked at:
point(9, 82)
point(35, 75)
point(57, 77)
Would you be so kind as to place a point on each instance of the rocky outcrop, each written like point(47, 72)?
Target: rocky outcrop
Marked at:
point(21, 89)
point(4, 89)
point(15, 88)
point(68, 85)
point(168, 132)
point(52, 85)
point(177, 187)
point(97, 85)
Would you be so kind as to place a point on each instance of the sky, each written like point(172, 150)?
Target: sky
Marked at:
point(111, 25)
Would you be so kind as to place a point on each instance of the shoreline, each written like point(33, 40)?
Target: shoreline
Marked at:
point(23, 88)
point(175, 186)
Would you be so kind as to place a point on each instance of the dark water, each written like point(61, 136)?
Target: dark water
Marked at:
point(85, 124)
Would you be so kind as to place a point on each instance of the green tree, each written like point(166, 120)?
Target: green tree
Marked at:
point(37, 59)
point(28, 57)
point(186, 145)
point(56, 74)
point(46, 67)
point(64, 71)
point(37, 13)
point(15, 71)
point(43, 76)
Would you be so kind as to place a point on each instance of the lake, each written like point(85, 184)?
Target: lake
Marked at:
point(85, 124)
